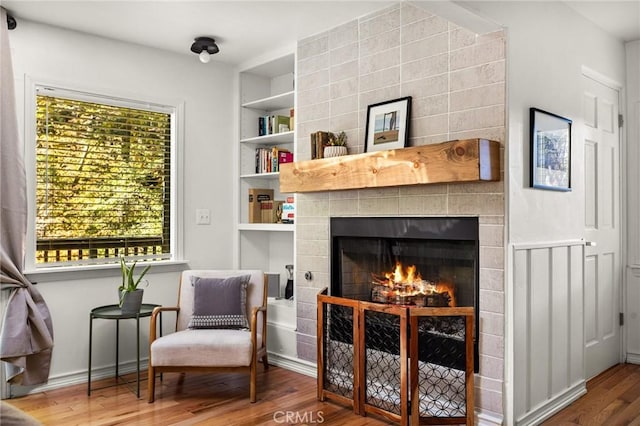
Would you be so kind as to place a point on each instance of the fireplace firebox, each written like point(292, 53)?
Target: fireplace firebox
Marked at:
point(410, 261)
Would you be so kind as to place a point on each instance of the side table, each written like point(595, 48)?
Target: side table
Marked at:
point(113, 312)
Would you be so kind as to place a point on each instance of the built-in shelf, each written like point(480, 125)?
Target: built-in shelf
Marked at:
point(272, 227)
point(272, 175)
point(281, 101)
point(470, 160)
point(284, 137)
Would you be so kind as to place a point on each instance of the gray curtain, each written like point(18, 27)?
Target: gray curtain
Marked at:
point(26, 341)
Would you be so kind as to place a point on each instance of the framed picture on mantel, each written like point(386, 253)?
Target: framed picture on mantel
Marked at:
point(387, 125)
point(550, 139)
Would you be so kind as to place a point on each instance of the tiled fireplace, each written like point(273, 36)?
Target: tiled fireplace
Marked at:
point(456, 80)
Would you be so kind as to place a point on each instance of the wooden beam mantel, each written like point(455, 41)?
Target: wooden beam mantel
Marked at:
point(469, 160)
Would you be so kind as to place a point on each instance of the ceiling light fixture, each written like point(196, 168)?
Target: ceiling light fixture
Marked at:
point(204, 47)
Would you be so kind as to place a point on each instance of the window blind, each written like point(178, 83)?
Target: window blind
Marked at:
point(103, 178)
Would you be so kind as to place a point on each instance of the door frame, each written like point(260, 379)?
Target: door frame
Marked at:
point(622, 215)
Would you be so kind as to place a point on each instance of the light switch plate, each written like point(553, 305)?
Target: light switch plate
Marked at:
point(203, 216)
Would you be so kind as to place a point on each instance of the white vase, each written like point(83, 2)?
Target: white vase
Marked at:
point(334, 151)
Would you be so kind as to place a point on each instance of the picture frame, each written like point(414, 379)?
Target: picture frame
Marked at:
point(388, 125)
point(550, 151)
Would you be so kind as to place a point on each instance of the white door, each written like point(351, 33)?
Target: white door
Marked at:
point(602, 227)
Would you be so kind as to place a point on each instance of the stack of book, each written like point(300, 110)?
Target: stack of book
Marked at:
point(288, 211)
point(271, 124)
point(268, 160)
point(319, 140)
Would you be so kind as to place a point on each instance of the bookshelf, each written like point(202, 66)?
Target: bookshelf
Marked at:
point(267, 90)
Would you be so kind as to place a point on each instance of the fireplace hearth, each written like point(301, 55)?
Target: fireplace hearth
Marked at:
point(413, 262)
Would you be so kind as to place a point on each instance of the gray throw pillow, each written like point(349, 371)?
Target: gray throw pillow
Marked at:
point(220, 302)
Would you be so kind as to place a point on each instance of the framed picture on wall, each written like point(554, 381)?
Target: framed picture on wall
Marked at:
point(387, 125)
point(550, 139)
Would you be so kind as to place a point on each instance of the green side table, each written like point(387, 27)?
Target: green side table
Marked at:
point(113, 312)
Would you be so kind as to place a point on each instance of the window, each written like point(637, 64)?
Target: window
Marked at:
point(103, 179)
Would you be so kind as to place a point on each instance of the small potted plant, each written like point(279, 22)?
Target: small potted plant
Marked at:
point(336, 146)
point(129, 295)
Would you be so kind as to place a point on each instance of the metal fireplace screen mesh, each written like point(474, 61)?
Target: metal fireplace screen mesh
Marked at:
point(441, 366)
point(338, 350)
point(382, 361)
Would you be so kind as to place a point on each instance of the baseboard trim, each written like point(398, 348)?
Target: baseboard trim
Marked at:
point(559, 402)
point(633, 358)
point(297, 365)
point(486, 419)
point(64, 380)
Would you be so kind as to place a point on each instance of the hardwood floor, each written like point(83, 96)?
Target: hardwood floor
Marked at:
point(613, 398)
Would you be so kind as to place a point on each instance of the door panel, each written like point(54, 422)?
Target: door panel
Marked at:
point(602, 227)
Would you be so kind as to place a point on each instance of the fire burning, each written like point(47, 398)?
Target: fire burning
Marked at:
point(406, 287)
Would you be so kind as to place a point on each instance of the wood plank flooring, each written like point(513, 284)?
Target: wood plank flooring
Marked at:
point(613, 398)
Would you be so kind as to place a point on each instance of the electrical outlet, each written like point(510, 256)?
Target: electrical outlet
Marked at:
point(203, 216)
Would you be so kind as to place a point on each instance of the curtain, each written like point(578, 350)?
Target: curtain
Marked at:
point(26, 340)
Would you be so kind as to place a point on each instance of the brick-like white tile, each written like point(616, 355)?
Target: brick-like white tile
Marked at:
point(346, 104)
point(492, 367)
point(492, 301)
point(313, 96)
point(313, 64)
point(432, 125)
point(478, 54)
point(489, 204)
point(424, 28)
point(379, 22)
point(424, 48)
point(310, 209)
point(306, 351)
point(307, 127)
point(426, 67)
point(411, 13)
point(432, 105)
point(312, 46)
point(343, 207)
point(318, 111)
point(489, 401)
point(477, 118)
point(343, 122)
point(344, 87)
point(492, 134)
point(312, 247)
point(385, 192)
point(491, 323)
point(423, 205)
point(491, 345)
point(380, 61)
point(343, 54)
point(425, 87)
point(378, 206)
point(477, 187)
point(343, 34)
point(375, 96)
point(492, 257)
point(482, 96)
point(312, 81)
point(380, 42)
point(380, 79)
point(491, 235)
point(422, 190)
point(347, 70)
point(492, 279)
point(480, 75)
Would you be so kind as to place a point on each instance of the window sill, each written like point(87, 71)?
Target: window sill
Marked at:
point(64, 273)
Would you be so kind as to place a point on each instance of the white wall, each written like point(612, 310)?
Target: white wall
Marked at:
point(547, 46)
point(632, 118)
point(48, 54)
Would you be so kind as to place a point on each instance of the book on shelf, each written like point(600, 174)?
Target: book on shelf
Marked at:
point(288, 211)
point(272, 124)
point(319, 140)
point(256, 197)
point(291, 121)
point(271, 211)
point(268, 160)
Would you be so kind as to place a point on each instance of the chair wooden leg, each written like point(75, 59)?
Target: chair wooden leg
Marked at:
point(252, 380)
point(265, 361)
point(152, 383)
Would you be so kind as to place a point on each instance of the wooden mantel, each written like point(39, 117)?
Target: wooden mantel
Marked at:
point(469, 160)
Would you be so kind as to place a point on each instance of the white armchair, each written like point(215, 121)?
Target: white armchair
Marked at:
point(211, 350)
